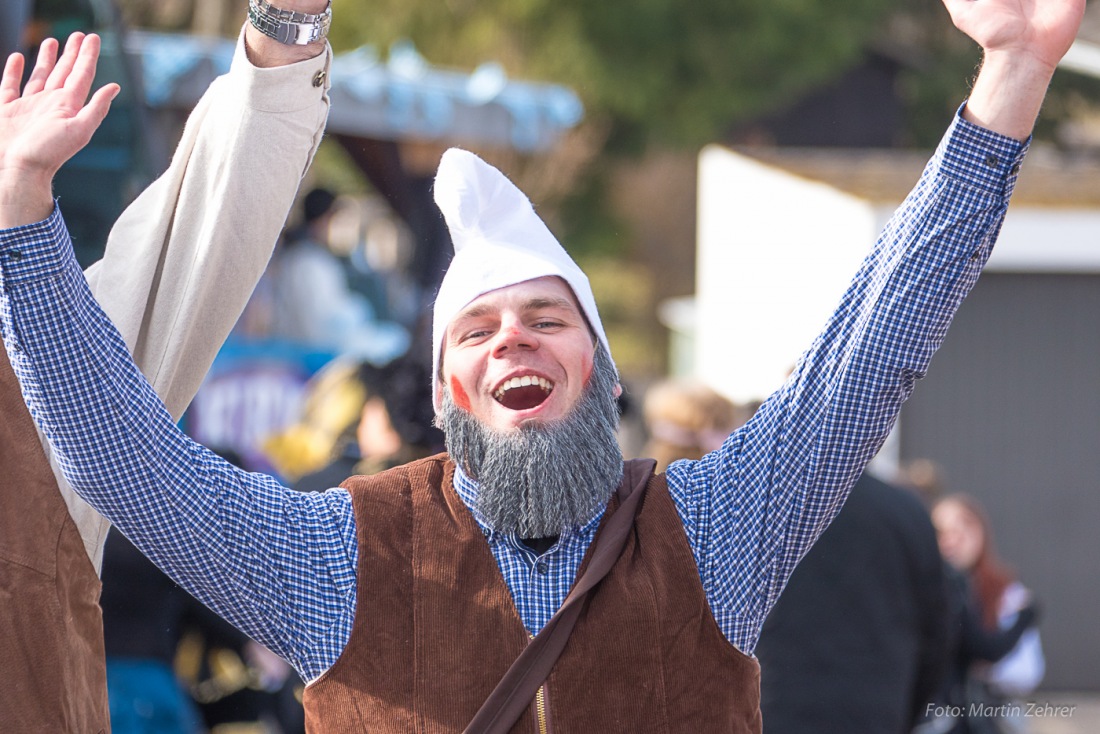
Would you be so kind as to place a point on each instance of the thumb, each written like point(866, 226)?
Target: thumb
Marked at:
point(91, 115)
point(85, 122)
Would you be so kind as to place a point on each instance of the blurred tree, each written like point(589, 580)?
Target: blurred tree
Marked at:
point(661, 70)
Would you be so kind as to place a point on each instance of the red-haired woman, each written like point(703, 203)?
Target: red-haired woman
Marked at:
point(1000, 655)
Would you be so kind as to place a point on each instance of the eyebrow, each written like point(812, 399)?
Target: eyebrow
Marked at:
point(536, 304)
point(532, 304)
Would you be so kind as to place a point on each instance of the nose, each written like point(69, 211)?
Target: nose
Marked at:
point(514, 335)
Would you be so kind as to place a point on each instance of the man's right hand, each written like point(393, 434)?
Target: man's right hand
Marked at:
point(47, 124)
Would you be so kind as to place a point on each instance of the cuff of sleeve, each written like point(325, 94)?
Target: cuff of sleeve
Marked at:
point(35, 250)
point(286, 88)
point(986, 159)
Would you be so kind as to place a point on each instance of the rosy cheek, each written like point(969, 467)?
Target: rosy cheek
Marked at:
point(588, 374)
point(462, 400)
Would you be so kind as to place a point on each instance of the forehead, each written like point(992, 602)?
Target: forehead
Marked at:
point(539, 293)
point(950, 511)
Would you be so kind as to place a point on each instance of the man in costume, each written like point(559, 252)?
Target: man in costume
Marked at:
point(403, 598)
point(178, 267)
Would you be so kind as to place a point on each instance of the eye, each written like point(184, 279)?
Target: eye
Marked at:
point(473, 334)
point(546, 324)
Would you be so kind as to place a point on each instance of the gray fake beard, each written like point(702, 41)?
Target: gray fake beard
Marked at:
point(543, 478)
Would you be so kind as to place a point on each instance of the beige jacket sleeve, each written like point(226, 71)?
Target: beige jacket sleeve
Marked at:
point(183, 259)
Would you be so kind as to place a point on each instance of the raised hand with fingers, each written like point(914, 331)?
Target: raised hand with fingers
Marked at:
point(46, 124)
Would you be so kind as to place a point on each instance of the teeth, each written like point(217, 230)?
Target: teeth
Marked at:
point(525, 381)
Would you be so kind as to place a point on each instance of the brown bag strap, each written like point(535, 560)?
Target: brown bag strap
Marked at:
point(520, 684)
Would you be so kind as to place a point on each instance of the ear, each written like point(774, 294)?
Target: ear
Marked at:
point(617, 391)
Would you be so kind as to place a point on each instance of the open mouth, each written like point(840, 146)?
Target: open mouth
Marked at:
point(523, 393)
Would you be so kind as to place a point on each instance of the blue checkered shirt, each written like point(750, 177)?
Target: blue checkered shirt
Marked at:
point(281, 565)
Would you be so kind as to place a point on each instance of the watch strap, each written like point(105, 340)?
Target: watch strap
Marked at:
point(287, 26)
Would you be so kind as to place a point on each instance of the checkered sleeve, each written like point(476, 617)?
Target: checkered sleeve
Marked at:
point(278, 564)
point(754, 507)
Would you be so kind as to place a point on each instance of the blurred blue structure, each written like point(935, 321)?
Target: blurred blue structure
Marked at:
point(397, 98)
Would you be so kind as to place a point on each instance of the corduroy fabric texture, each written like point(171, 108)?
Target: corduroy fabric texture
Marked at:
point(436, 629)
point(51, 627)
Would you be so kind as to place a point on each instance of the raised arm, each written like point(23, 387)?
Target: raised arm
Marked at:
point(753, 508)
point(239, 542)
point(183, 259)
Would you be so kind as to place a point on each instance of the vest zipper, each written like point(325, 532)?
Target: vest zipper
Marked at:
point(540, 704)
point(540, 710)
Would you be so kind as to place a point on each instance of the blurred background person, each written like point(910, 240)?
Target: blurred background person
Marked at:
point(858, 641)
point(686, 419)
point(925, 477)
point(999, 653)
point(313, 304)
point(358, 418)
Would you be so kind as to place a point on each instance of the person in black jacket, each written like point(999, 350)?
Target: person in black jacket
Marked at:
point(859, 639)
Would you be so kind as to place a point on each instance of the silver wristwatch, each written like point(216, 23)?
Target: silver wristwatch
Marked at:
point(289, 27)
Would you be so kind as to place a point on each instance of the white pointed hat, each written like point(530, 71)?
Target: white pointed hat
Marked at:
point(499, 241)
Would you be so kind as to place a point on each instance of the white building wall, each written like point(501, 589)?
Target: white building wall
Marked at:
point(1048, 241)
point(775, 254)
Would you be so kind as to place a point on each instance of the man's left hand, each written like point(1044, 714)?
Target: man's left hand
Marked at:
point(47, 124)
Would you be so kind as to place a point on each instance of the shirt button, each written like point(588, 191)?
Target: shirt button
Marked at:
point(319, 78)
point(542, 567)
point(1015, 169)
point(15, 255)
point(992, 161)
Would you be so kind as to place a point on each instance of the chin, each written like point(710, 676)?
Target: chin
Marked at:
point(508, 420)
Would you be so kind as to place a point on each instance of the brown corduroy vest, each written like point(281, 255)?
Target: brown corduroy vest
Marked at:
point(51, 627)
point(436, 628)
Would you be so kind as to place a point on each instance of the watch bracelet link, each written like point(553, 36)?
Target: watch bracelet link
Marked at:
point(287, 26)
